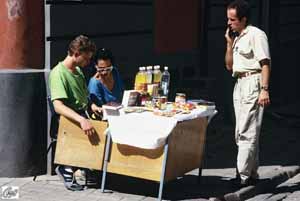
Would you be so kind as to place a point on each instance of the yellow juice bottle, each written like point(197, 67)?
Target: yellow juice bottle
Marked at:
point(140, 80)
point(157, 75)
point(137, 79)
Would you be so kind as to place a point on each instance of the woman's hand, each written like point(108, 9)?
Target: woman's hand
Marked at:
point(97, 110)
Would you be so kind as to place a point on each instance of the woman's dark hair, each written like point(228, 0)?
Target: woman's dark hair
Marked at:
point(104, 54)
point(242, 9)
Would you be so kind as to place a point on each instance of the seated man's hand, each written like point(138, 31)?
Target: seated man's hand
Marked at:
point(87, 127)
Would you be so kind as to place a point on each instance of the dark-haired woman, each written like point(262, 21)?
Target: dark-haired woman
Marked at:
point(106, 85)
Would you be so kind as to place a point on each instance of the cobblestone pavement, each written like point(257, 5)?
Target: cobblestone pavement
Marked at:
point(214, 183)
point(280, 179)
point(287, 191)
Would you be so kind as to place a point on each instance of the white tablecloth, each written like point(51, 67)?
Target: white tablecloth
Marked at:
point(146, 130)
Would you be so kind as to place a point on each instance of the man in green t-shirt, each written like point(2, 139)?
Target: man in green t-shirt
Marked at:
point(69, 95)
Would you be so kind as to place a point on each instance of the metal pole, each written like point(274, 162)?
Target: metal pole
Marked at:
point(107, 150)
point(162, 177)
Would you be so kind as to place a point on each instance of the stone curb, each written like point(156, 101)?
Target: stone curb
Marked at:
point(274, 179)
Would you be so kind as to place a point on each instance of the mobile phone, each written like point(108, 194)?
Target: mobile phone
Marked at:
point(231, 33)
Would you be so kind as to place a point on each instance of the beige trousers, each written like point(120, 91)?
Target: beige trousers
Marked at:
point(248, 124)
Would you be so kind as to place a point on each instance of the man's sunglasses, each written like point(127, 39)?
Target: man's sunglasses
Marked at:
point(106, 69)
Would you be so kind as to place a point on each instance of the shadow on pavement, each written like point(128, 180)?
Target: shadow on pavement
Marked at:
point(286, 189)
point(183, 188)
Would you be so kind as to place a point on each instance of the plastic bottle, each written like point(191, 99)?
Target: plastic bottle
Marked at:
point(149, 75)
point(143, 80)
point(140, 79)
point(165, 81)
point(137, 79)
point(157, 75)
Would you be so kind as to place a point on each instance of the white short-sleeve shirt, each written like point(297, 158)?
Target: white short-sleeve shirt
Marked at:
point(248, 49)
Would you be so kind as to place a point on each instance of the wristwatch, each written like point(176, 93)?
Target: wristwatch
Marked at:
point(265, 88)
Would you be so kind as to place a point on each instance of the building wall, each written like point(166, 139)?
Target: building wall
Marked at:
point(23, 116)
point(288, 43)
point(127, 28)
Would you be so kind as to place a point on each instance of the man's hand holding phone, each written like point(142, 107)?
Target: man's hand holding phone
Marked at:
point(229, 35)
point(229, 50)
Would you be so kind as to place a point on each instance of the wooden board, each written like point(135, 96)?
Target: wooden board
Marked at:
point(74, 148)
point(136, 162)
point(186, 147)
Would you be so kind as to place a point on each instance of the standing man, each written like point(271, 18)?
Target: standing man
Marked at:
point(248, 57)
point(69, 95)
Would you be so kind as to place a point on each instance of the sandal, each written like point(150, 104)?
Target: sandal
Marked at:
point(68, 179)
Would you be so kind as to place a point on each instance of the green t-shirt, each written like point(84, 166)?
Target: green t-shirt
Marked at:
point(69, 87)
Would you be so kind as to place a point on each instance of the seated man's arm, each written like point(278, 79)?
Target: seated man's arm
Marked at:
point(64, 110)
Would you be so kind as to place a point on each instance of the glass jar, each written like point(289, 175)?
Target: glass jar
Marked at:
point(180, 98)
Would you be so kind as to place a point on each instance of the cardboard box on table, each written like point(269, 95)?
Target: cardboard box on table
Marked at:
point(185, 153)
